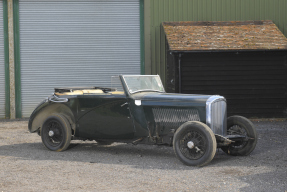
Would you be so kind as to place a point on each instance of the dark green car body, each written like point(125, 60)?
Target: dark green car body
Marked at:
point(195, 125)
point(116, 116)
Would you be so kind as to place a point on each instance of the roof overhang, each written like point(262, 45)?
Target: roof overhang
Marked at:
point(233, 36)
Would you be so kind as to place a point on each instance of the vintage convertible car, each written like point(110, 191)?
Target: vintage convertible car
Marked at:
point(138, 110)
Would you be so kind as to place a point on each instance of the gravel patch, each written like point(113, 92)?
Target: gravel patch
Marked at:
point(26, 165)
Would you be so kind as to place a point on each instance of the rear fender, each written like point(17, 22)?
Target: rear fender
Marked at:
point(37, 119)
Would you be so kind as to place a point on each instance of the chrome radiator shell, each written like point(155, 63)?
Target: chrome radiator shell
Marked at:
point(216, 114)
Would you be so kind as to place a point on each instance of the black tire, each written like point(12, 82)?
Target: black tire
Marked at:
point(60, 133)
point(203, 140)
point(103, 142)
point(237, 125)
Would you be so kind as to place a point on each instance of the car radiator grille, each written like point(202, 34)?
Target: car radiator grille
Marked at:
point(216, 115)
point(173, 118)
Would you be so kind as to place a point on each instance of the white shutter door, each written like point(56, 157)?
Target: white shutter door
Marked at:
point(75, 43)
point(2, 65)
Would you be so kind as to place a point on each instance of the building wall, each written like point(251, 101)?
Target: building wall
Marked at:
point(203, 10)
point(254, 83)
point(11, 98)
point(73, 43)
point(155, 12)
point(2, 65)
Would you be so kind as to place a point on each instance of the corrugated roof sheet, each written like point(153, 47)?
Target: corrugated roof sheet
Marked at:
point(233, 35)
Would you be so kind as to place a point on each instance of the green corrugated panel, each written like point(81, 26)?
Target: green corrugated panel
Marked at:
point(207, 10)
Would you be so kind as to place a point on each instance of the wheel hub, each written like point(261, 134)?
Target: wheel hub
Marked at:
point(51, 133)
point(190, 145)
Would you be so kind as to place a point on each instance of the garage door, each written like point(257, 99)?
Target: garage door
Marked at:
point(75, 43)
point(2, 65)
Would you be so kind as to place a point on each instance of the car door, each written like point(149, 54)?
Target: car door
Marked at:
point(104, 116)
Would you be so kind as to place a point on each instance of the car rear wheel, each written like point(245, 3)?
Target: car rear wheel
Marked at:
point(237, 125)
point(194, 143)
point(56, 133)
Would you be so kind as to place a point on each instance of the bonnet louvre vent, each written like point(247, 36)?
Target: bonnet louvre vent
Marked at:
point(174, 117)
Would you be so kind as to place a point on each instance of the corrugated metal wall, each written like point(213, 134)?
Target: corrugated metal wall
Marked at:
point(2, 65)
point(75, 43)
point(206, 10)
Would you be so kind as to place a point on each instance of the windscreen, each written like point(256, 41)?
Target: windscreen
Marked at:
point(116, 83)
point(140, 83)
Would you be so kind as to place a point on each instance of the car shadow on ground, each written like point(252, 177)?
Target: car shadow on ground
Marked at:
point(140, 156)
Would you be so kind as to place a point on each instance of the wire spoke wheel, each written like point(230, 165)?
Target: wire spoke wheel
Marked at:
point(194, 143)
point(237, 130)
point(56, 133)
point(53, 133)
point(198, 141)
point(237, 125)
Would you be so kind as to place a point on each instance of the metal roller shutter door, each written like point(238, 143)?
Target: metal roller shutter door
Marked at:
point(75, 43)
point(2, 65)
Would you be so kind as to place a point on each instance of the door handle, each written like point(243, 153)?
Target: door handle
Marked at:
point(124, 104)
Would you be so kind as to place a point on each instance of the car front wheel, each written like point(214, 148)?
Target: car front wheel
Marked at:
point(56, 133)
point(237, 125)
point(194, 143)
